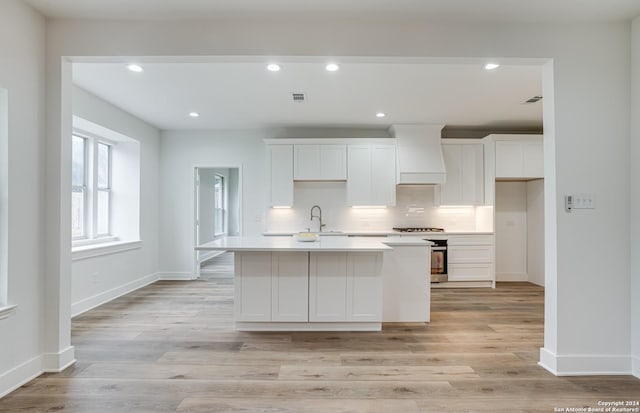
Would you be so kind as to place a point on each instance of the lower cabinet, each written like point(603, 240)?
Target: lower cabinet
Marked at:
point(471, 258)
point(320, 287)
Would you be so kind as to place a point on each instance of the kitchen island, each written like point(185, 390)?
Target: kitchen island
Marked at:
point(281, 284)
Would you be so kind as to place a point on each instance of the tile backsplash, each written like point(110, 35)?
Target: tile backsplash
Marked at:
point(415, 207)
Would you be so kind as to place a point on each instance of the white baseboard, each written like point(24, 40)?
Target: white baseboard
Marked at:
point(19, 375)
point(585, 365)
point(511, 276)
point(94, 301)
point(635, 366)
point(56, 362)
point(176, 276)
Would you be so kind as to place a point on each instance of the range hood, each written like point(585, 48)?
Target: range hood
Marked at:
point(420, 160)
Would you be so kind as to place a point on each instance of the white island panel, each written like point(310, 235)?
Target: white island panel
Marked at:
point(327, 286)
point(253, 287)
point(289, 286)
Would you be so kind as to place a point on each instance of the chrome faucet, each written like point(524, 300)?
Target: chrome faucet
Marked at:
point(319, 216)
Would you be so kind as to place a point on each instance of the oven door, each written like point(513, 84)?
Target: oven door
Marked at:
point(439, 262)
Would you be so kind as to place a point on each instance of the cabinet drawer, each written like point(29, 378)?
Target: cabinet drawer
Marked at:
point(470, 240)
point(470, 272)
point(470, 254)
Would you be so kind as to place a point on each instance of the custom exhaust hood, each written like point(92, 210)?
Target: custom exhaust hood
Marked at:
point(420, 160)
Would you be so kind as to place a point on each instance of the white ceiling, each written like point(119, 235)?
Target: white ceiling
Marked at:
point(246, 95)
point(436, 10)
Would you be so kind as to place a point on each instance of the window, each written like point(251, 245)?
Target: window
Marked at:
point(90, 189)
point(219, 205)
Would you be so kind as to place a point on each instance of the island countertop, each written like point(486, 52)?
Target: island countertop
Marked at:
point(326, 244)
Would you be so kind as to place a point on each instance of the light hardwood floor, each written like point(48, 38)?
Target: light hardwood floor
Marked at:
point(171, 347)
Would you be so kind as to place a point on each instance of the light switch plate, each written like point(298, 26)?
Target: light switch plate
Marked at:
point(584, 201)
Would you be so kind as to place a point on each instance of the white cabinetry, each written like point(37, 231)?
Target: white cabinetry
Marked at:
point(301, 288)
point(345, 287)
point(470, 258)
point(289, 285)
point(465, 174)
point(320, 162)
point(281, 175)
point(328, 286)
point(519, 156)
point(252, 280)
point(371, 172)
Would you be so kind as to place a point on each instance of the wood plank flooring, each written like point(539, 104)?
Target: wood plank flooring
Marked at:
point(171, 347)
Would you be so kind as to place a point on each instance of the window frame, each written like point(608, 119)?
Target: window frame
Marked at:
point(83, 188)
point(224, 207)
point(91, 234)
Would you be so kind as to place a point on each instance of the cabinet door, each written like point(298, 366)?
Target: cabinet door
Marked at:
point(252, 299)
point(383, 175)
point(333, 162)
point(472, 174)
point(451, 190)
point(364, 286)
point(508, 159)
point(465, 175)
point(359, 190)
point(289, 286)
point(306, 163)
point(327, 286)
point(533, 159)
point(281, 175)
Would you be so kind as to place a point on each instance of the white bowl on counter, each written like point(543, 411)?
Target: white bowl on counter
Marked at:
point(306, 236)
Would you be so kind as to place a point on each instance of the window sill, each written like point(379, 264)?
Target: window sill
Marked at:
point(106, 248)
point(7, 311)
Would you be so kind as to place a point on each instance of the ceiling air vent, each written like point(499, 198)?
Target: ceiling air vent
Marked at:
point(298, 97)
point(533, 99)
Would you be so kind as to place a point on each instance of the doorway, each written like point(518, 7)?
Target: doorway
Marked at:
point(217, 209)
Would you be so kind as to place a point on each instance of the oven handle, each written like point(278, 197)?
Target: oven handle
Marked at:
point(438, 248)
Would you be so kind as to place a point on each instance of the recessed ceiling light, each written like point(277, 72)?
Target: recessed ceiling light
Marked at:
point(194, 114)
point(332, 67)
point(135, 68)
point(380, 115)
point(273, 67)
point(491, 66)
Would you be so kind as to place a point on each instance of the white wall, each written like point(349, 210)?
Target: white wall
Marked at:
point(511, 231)
point(415, 207)
point(576, 82)
point(635, 195)
point(180, 153)
point(22, 54)
point(99, 279)
point(535, 231)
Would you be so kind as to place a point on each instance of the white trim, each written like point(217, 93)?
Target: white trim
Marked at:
point(511, 276)
point(635, 366)
point(20, 375)
point(276, 326)
point(94, 301)
point(585, 365)
point(7, 311)
point(176, 276)
point(57, 362)
point(95, 250)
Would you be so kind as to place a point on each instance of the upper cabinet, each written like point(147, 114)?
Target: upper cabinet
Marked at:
point(465, 174)
point(320, 162)
point(371, 171)
point(519, 157)
point(281, 175)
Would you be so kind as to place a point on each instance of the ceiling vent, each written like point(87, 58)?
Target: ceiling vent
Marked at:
point(298, 97)
point(533, 99)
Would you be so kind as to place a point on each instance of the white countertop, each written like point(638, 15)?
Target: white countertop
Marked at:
point(379, 233)
point(328, 244)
